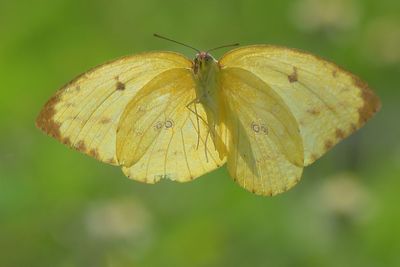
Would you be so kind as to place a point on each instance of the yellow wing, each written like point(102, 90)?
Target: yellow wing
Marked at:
point(159, 136)
point(84, 113)
point(328, 103)
point(265, 151)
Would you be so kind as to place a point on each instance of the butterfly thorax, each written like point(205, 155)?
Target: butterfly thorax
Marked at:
point(205, 70)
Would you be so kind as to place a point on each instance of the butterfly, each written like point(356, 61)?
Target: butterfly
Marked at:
point(265, 111)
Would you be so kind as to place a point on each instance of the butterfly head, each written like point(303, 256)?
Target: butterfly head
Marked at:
point(203, 63)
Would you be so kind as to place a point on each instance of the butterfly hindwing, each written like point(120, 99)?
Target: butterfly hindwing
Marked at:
point(265, 151)
point(159, 135)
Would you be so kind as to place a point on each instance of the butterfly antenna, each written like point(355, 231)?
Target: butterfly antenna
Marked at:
point(222, 46)
point(168, 39)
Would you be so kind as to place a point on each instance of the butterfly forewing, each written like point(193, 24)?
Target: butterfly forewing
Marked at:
point(84, 113)
point(327, 102)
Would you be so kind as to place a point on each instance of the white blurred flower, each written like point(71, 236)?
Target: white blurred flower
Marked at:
point(344, 196)
point(317, 16)
point(118, 219)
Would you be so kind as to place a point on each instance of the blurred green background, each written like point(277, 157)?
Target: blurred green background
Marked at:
point(62, 208)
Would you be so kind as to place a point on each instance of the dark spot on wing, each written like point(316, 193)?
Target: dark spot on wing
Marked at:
point(45, 120)
point(371, 103)
point(66, 141)
point(120, 86)
point(255, 127)
point(158, 125)
point(328, 144)
point(340, 134)
point(259, 128)
point(314, 157)
point(81, 146)
point(169, 123)
point(264, 129)
point(105, 120)
point(314, 111)
point(293, 77)
point(94, 153)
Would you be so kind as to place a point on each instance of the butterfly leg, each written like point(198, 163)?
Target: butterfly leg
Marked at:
point(196, 101)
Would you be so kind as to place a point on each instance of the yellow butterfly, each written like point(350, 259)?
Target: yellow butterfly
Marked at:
point(266, 111)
